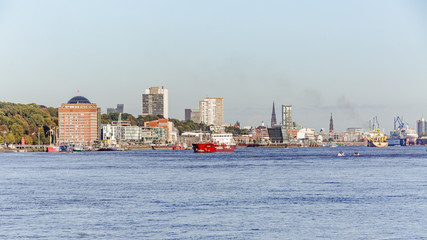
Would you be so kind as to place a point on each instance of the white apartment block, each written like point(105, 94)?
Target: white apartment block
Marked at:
point(211, 111)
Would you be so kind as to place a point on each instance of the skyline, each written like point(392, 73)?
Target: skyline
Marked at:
point(356, 59)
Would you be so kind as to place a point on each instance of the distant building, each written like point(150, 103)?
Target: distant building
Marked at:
point(79, 121)
point(273, 117)
point(193, 115)
point(168, 126)
point(275, 134)
point(118, 109)
point(287, 116)
point(211, 111)
point(422, 127)
point(155, 102)
point(331, 125)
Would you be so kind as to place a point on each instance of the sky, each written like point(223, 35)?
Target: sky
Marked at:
point(354, 59)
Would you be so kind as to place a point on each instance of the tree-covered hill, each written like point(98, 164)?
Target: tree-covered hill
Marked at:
point(26, 120)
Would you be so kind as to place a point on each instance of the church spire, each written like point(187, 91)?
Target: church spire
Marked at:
point(273, 117)
point(331, 125)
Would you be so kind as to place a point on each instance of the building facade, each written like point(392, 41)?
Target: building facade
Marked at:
point(193, 115)
point(119, 109)
point(155, 102)
point(287, 116)
point(79, 122)
point(211, 111)
point(422, 127)
point(165, 124)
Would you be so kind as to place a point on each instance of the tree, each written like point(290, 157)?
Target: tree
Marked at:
point(10, 138)
point(142, 119)
point(28, 139)
point(4, 128)
point(17, 130)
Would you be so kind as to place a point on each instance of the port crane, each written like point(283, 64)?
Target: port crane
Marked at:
point(399, 123)
point(374, 124)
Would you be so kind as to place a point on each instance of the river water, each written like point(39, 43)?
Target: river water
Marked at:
point(300, 193)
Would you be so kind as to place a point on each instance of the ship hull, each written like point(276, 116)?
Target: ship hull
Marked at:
point(377, 144)
point(210, 147)
point(52, 149)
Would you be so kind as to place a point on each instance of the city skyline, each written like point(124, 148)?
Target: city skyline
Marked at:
point(356, 59)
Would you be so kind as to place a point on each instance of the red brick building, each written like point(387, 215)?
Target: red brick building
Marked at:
point(79, 122)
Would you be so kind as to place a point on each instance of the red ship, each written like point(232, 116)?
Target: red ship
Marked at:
point(222, 142)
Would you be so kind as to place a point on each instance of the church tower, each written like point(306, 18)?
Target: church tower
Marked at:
point(273, 117)
point(331, 125)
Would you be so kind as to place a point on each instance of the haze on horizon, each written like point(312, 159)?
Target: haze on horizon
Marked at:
point(356, 59)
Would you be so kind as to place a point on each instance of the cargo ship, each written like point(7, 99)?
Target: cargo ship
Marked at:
point(221, 142)
point(377, 140)
point(403, 137)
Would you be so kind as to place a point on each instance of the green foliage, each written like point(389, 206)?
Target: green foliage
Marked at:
point(236, 131)
point(10, 138)
point(24, 120)
point(187, 126)
point(142, 119)
point(111, 117)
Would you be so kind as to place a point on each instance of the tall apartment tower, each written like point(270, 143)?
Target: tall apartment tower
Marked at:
point(155, 102)
point(79, 122)
point(287, 116)
point(422, 127)
point(331, 125)
point(211, 111)
point(273, 117)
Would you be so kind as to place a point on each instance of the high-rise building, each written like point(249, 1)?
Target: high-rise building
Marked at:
point(287, 116)
point(79, 121)
point(273, 117)
point(422, 127)
point(155, 102)
point(211, 111)
point(192, 114)
point(118, 109)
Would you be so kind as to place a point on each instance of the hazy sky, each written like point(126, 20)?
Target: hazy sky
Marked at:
point(357, 59)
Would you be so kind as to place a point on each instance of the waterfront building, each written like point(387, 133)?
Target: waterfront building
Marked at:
point(276, 134)
point(211, 111)
point(118, 109)
point(306, 134)
point(79, 122)
point(287, 116)
point(273, 117)
point(192, 114)
point(171, 131)
point(155, 102)
point(115, 133)
point(422, 127)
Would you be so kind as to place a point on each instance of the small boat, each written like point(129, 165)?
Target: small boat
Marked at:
point(52, 149)
point(341, 154)
point(356, 154)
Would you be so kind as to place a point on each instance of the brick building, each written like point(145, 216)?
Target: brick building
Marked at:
point(79, 121)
